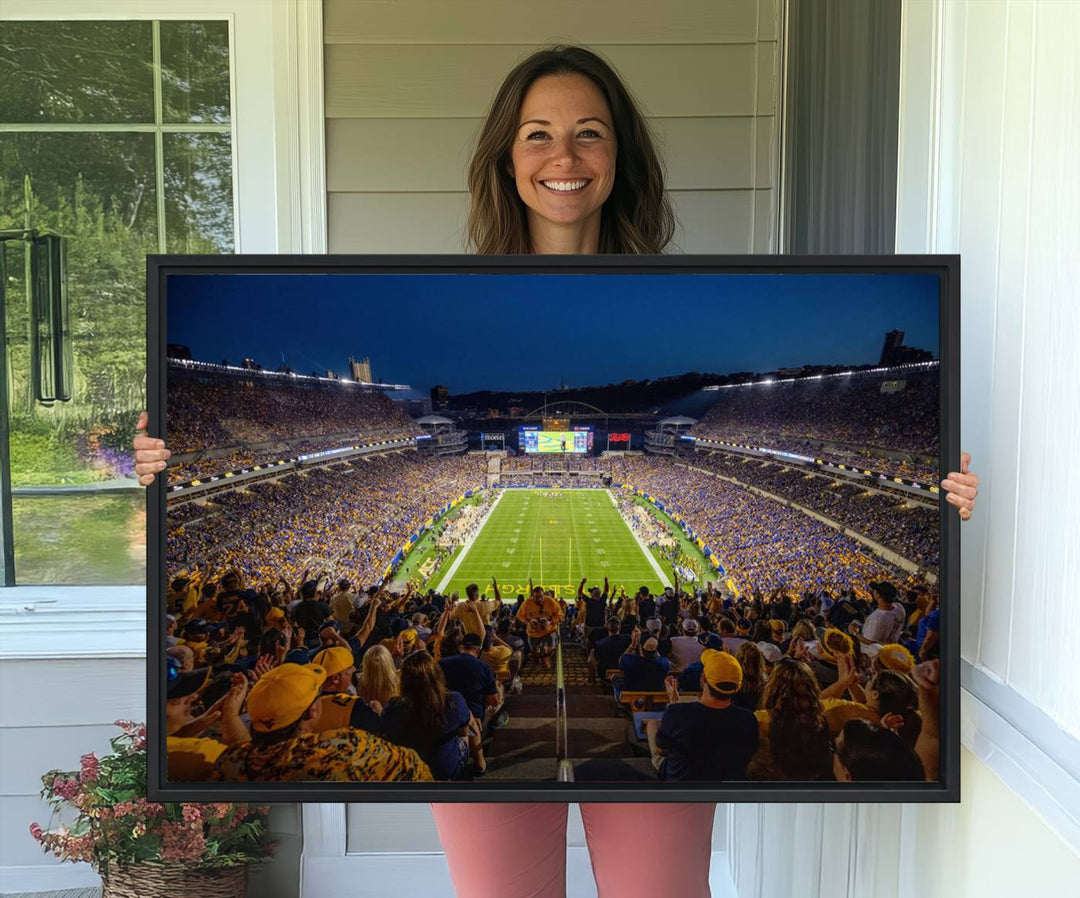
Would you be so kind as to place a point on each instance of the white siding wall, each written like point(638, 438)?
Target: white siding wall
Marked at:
point(997, 180)
point(409, 81)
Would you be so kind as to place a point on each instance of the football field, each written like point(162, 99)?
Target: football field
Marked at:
point(555, 537)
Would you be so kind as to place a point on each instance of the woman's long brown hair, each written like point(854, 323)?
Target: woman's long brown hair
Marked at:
point(637, 216)
point(753, 668)
point(798, 733)
point(423, 687)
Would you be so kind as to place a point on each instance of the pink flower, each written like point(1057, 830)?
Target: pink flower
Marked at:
point(65, 788)
point(36, 832)
point(150, 808)
point(79, 848)
point(181, 842)
point(192, 813)
point(89, 768)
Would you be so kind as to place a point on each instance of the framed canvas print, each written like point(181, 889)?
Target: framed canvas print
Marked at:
point(553, 528)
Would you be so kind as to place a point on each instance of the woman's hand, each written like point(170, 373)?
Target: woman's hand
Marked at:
point(961, 487)
point(150, 453)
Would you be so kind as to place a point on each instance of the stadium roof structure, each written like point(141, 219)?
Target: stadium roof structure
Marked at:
point(433, 420)
point(234, 370)
point(677, 421)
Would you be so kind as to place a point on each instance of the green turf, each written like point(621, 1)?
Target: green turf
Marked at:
point(556, 542)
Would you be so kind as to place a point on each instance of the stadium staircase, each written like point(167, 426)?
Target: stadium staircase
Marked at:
point(597, 736)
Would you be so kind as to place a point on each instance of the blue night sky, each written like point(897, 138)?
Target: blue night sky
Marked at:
point(533, 331)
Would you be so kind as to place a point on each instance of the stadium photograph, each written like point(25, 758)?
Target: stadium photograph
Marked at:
point(528, 528)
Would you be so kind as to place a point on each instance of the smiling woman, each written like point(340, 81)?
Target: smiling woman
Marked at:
point(565, 164)
point(563, 161)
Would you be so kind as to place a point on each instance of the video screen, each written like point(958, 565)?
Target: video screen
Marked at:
point(556, 441)
point(381, 567)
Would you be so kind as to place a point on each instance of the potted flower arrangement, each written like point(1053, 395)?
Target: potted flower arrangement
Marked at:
point(142, 848)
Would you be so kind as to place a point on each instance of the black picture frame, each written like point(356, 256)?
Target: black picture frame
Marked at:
point(947, 789)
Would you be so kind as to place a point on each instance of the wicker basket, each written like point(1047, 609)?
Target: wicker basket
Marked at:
point(151, 880)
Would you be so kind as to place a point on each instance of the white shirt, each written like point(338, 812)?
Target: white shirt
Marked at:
point(885, 626)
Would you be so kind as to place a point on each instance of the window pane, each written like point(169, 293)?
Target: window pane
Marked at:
point(76, 72)
point(98, 191)
point(198, 193)
point(195, 71)
point(81, 540)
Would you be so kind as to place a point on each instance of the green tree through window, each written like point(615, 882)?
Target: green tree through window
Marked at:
point(118, 136)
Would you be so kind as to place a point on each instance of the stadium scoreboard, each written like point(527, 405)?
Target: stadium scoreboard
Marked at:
point(534, 439)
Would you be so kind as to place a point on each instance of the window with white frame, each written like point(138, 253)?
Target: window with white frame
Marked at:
point(117, 136)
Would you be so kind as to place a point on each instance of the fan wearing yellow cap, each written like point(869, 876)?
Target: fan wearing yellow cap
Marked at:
point(284, 707)
point(894, 657)
point(711, 739)
point(340, 707)
point(340, 665)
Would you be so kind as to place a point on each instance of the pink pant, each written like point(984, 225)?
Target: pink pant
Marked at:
point(519, 850)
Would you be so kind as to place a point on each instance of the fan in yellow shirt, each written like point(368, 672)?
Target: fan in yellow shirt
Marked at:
point(541, 615)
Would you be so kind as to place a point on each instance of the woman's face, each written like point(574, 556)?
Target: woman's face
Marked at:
point(563, 154)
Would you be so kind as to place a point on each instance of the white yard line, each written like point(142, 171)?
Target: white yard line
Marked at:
point(468, 545)
point(664, 581)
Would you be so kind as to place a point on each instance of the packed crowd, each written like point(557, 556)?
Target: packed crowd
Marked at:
point(234, 460)
point(543, 462)
point(759, 541)
point(816, 686)
point(861, 410)
point(909, 529)
point(357, 514)
point(219, 412)
point(543, 481)
point(200, 466)
point(320, 682)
